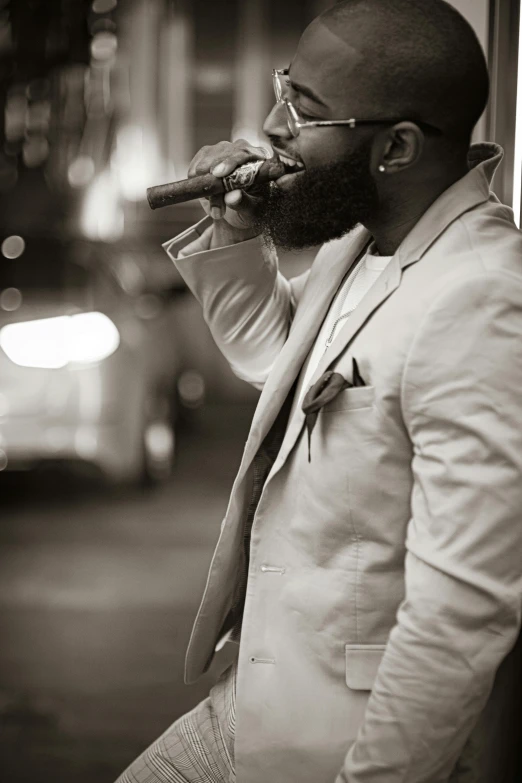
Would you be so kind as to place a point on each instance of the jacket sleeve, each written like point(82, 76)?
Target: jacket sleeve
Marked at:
point(462, 406)
point(247, 303)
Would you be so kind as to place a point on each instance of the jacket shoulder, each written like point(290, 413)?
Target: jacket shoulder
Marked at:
point(493, 241)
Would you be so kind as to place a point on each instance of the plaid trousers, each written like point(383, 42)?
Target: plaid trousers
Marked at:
point(198, 747)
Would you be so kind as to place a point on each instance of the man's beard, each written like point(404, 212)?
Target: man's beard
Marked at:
point(323, 203)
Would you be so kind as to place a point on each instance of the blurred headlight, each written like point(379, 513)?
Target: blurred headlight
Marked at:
point(52, 343)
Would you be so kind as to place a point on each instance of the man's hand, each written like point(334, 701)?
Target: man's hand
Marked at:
point(231, 212)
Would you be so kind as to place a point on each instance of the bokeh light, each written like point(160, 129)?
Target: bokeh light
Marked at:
point(15, 115)
point(104, 6)
point(103, 216)
point(13, 246)
point(81, 171)
point(35, 151)
point(213, 79)
point(104, 46)
point(135, 161)
point(38, 117)
point(10, 299)
point(191, 389)
point(52, 343)
point(86, 442)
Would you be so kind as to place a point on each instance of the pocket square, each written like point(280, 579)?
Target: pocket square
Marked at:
point(356, 375)
point(324, 391)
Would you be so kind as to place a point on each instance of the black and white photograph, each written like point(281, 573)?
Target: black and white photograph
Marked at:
point(260, 391)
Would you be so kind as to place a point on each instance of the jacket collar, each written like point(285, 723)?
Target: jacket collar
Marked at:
point(472, 189)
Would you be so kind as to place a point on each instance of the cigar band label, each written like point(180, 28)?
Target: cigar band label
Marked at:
point(243, 177)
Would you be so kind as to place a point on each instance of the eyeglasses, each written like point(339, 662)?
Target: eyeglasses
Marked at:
point(296, 123)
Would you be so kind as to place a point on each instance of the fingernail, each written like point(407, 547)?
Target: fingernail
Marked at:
point(215, 213)
point(219, 170)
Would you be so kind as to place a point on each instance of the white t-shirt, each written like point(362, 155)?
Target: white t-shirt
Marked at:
point(355, 285)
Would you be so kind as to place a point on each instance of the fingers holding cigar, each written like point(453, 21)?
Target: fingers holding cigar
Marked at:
point(216, 205)
point(219, 204)
point(241, 152)
point(222, 191)
point(233, 199)
point(221, 160)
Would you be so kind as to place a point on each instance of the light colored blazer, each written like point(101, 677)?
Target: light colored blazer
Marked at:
point(369, 653)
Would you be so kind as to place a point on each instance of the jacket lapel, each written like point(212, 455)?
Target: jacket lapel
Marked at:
point(325, 277)
point(384, 286)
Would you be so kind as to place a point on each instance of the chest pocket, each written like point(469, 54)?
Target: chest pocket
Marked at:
point(351, 399)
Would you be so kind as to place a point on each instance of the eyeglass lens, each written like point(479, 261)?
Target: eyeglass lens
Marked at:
point(278, 87)
point(291, 120)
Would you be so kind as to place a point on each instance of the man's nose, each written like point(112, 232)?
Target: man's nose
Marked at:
point(276, 123)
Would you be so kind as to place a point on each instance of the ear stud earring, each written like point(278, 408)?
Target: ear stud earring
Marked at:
point(382, 169)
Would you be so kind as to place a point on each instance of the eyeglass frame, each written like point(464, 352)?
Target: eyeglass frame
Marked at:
point(293, 116)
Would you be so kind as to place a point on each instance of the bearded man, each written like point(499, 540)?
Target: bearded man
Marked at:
point(368, 567)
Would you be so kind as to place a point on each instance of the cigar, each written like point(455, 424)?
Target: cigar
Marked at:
point(243, 178)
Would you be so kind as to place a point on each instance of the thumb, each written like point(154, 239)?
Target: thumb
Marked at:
point(240, 208)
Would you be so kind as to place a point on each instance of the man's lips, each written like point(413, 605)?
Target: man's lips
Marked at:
point(292, 165)
point(293, 168)
point(288, 179)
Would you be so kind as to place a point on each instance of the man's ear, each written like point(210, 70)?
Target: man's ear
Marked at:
point(397, 148)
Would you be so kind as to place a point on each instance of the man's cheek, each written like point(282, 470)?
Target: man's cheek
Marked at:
point(319, 154)
point(311, 154)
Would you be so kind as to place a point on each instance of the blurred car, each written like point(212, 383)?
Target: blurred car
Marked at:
point(89, 361)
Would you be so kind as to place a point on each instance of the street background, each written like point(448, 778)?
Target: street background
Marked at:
point(98, 590)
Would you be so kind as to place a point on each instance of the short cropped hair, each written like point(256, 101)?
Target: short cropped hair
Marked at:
point(420, 60)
